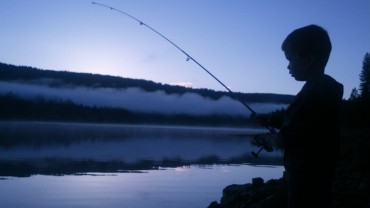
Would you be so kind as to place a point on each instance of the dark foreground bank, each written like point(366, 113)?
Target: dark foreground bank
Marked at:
point(351, 187)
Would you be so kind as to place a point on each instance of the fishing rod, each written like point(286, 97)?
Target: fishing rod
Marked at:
point(189, 57)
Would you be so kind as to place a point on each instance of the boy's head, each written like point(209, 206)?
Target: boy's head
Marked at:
point(308, 50)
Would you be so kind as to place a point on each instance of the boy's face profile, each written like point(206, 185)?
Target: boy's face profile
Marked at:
point(299, 66)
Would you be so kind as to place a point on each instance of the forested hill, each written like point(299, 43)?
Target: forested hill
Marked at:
point(56, 79)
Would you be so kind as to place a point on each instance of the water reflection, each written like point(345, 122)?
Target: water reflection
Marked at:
point(73, 148)
point(180, 187)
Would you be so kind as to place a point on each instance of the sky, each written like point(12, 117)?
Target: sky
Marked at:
point(239, 41)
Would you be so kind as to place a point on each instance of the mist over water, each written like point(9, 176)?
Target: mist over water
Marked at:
point(135, 99)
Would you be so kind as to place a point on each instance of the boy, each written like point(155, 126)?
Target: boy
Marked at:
point(310, 133)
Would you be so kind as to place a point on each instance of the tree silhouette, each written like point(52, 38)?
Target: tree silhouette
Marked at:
point(354, 95)
point(365, 78)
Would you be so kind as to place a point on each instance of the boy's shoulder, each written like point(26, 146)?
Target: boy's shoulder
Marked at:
point(322, 80)
point(330, 82)
point(324, 84)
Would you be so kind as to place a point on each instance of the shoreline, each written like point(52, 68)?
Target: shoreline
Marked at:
point(351, 186)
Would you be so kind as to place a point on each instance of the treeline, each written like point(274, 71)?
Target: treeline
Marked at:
point(356, 113)
point(62, 78)
point(13, 107)
point(356, 110)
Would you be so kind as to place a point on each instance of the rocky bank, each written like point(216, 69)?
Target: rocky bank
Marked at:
point(351, 188)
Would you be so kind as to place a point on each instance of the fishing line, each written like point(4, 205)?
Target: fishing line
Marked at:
point(188, 57)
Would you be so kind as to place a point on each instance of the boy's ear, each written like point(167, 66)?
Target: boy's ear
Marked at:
point(310, 59)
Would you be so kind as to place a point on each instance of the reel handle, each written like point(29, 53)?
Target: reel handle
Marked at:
point(263, 144)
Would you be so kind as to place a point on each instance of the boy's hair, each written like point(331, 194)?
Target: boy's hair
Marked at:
point(310, 39)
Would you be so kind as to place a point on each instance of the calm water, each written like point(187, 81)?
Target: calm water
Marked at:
point(89, 165)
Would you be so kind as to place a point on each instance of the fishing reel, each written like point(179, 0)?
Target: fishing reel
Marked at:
point(262, 142)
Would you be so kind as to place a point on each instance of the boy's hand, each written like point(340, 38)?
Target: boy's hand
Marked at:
point(276, 141)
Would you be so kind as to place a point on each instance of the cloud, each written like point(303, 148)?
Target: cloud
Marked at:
point(135, 99)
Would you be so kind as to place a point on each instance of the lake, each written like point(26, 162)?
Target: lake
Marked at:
point(45, 164)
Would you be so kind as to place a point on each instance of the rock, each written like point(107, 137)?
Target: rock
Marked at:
point(233, 194)
point(257, 194)
point(214, 205)
point(257, 182)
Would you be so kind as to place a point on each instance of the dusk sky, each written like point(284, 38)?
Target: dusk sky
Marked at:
point(239, 41)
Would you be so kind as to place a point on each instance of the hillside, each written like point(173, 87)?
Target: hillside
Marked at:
point(36, 94)
point(24, 73)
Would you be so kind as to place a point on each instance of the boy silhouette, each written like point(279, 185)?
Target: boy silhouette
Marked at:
point(310, 133)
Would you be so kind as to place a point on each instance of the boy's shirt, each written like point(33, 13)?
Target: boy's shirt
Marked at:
point(312, 122)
